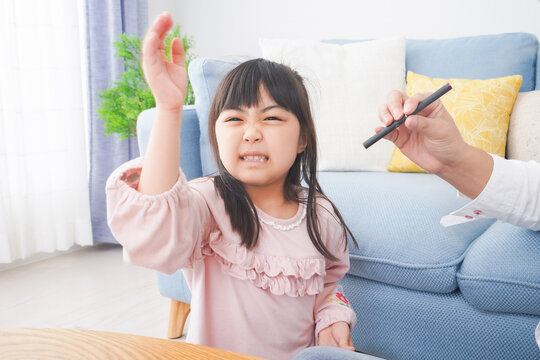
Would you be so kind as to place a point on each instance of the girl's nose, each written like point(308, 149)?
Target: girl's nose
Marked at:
point(252, 134)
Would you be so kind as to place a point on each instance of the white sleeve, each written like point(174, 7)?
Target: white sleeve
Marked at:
point(512, 195)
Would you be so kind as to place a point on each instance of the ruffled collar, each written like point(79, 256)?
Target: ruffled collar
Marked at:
point(283, 224)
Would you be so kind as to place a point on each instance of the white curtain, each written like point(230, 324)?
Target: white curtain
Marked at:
point(44, 203)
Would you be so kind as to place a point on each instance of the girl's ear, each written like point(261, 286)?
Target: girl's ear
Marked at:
point(302, 143)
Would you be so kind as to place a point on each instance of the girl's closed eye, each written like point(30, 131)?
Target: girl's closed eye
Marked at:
point(273, 118)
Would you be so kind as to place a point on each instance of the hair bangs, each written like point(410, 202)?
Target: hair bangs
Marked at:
point(243, 88)
point(282, 85)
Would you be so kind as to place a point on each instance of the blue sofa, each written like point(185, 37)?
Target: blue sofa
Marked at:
point(420, 291)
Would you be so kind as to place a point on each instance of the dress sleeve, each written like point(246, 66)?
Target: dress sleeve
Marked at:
point(164, 232)
point(512, 195)
point(331, 305)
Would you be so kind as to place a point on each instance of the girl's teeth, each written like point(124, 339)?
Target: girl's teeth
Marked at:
point(255, 158)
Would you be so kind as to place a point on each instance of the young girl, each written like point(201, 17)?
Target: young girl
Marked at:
point(261, 253)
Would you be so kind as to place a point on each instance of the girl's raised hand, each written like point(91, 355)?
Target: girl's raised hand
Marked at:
point(167, 79)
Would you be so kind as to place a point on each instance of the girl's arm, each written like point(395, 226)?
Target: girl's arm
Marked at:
point(333, 314)
point(164, 232)
point(160, 220)
point(168, 82)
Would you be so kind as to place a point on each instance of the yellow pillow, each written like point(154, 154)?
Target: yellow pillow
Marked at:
point(480, 108)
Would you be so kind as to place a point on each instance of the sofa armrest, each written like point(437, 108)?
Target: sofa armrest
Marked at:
point(190, 152)
point(500, 272)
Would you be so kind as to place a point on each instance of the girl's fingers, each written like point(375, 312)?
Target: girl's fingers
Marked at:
point(326, 338)
point(150, 43)
point(156, 34)
point(343, 342)
point(162, 25)
point(151, 52)
point(154, 44)
point(177, 52)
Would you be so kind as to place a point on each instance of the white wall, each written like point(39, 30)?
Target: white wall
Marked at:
point(223, 28)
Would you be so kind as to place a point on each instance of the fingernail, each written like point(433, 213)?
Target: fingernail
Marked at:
point(387, 118)
point(396, 112)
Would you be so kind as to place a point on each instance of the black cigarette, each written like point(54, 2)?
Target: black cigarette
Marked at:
point(421, 106)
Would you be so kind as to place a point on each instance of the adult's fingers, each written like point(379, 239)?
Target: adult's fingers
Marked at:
point(412, 103)
point(385, 115)
point(395, 100)
point(392, 136)
point(430, 128)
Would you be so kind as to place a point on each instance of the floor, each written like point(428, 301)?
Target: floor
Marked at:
point(89, 288)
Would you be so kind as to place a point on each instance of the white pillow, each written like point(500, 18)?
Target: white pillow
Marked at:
point(346, 85)
point(524, 128)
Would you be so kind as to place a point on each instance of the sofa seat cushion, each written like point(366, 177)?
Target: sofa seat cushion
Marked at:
point(501, 271)
point(395, 219)
point(403, 324)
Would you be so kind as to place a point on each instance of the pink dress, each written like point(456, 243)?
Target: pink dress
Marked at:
point(270, 301)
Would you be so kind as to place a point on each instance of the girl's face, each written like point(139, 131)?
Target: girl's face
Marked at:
point(258, 145)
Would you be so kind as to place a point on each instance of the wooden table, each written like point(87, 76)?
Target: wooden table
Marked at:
point(70, 344)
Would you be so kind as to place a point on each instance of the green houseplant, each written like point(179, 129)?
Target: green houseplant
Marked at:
point(126, 98)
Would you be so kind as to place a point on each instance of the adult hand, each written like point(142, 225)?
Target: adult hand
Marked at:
point(337, 334)
point(167, 79)
point(430, 138)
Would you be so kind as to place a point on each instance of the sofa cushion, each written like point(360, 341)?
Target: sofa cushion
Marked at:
point(501, 271)
point(524, 129)
point(395, 219)
point(475, 57)
point(480, 108)
point(336, 77)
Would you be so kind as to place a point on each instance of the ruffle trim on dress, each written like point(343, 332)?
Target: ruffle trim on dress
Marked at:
point(286, 227)
point(281, 275)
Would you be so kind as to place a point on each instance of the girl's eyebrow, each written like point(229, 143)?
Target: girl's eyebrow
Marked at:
point(270, 107)
point(265, 109)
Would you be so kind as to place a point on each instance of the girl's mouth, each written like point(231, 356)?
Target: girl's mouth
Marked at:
point(258, 158)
